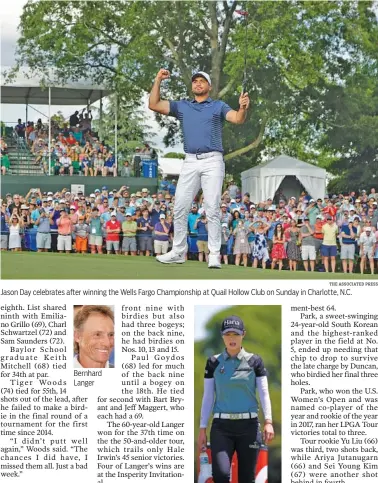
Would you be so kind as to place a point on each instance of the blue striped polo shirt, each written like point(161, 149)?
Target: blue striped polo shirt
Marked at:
point(235, 381)
point(201, 123)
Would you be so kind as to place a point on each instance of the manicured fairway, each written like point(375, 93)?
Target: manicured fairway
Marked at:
point(27, 265)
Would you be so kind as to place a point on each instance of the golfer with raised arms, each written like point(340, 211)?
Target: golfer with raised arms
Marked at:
point(201, 122)
point(232, 379)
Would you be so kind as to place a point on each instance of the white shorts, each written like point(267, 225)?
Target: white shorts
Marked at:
point(347, 252)
point(160, 247)
point(43, 241)
point(308, 252)
point(64, 243)
point(95, 240)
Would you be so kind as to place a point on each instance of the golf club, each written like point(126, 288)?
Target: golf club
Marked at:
point(244, 14)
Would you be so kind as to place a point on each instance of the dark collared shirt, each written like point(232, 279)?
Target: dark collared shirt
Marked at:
point(235, 381)
point(201, 123)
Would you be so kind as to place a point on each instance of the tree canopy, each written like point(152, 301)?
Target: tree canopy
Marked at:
point(311, 67)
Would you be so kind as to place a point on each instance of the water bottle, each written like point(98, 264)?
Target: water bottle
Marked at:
point(205, 473)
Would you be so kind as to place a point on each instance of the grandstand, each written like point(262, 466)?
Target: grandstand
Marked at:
point(22, 172)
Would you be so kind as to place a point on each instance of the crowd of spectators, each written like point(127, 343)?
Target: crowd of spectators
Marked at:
point(75, 149)
point(289, 234)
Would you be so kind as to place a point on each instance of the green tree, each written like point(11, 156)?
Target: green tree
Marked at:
point(298, 54)
point(132, 130)
point(174, 155)
point(263, 336)
point(58, 118)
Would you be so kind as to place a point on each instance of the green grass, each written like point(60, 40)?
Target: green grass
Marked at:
point(27, 265)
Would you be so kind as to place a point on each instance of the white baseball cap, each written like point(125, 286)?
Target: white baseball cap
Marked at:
point(202, 74)
point(162, 215)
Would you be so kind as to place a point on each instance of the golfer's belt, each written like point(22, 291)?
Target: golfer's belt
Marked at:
point(234, 416)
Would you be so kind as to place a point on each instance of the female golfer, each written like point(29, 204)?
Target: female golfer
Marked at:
point(231, 380)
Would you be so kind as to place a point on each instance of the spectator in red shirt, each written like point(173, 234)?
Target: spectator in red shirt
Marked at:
point(71, 141)
point(113, 229)
point(330, 210)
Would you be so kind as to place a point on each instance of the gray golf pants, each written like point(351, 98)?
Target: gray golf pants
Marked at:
point(206, 173)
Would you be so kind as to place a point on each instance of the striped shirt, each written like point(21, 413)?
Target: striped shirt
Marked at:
point(201, 123)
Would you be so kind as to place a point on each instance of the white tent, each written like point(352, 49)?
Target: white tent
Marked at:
point(263, 181)
point(170, 166)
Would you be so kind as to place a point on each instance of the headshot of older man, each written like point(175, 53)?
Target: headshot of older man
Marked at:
point(93, 336)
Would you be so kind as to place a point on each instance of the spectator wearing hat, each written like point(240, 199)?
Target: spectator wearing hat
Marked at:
point(308, 243)
point(225, 235)
point(129, 229)
point(329, 246)
point(146, 196)
point(167, 199)
point(312, 211)
point(367, 244)
point(226, 217)
point(236, 203)
point(241, 245)
point(260, 246)
point(202, 239)
point(81, 231)
point(145, 229)
point(25, 216)
point(64, 232)
point(278, 253)
point(44, 223)
point(161, 235)
point(138, 198)
point(348, 236)
point(95, 232)
point(113, 228)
